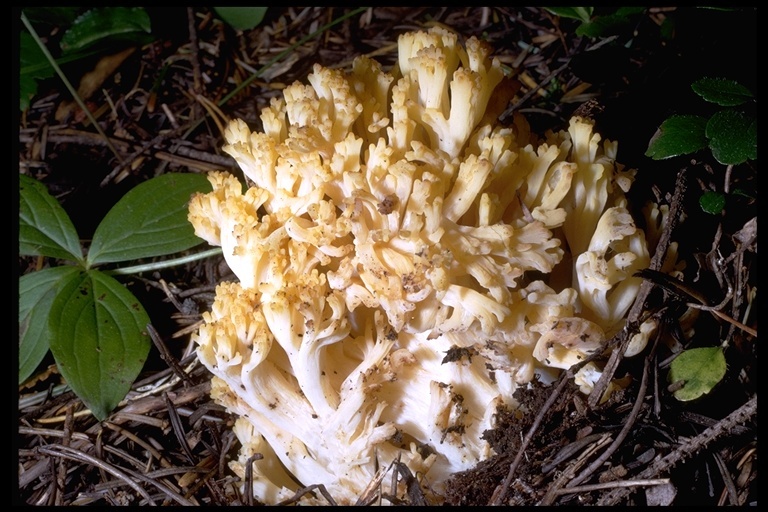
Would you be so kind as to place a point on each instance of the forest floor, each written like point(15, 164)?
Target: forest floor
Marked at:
point(642, 446)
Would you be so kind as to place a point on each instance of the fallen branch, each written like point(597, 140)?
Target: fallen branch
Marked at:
point(688, 448)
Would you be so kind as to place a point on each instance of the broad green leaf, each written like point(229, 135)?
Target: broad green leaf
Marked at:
point(104, 23)
point(45, 229)
point(576, 13)
point(36, 293)
point(241, 18)
point(33, 66)
point(727, 93)
point(678, 135)
point(100, 340)
point(712, 202)
point(700, 369)
point(732, 137)
point(150, 220)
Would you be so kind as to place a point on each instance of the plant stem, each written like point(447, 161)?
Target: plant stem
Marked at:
point(165, 264)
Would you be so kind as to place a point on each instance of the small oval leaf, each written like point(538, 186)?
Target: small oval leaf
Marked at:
point(699, 370)
point(150, 220)
point(100, 340)
point(45, 229)
point(241, 18)
point(727, 93)
point(712, 202)
point(732, 137)
point(36, 293)
point(678, 135)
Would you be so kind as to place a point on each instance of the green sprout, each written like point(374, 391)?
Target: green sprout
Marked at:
point(730, 133)
point(598, 25)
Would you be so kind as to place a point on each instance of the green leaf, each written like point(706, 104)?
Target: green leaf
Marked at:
point(150, 220)
point(598, 27)
point(602, 26)
point(33, 66)
point(104, 23)
point(51, 15)
point(700, 369)
point(738, 191)
point(100, 340)
point(45, 229)
point(241, 18)
point(667, 29)
point(36, 293)
point(727, 93)
point(577, 13)
point(27, 91)
point(732, 137)
point(712, 202)
point(678, 135)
